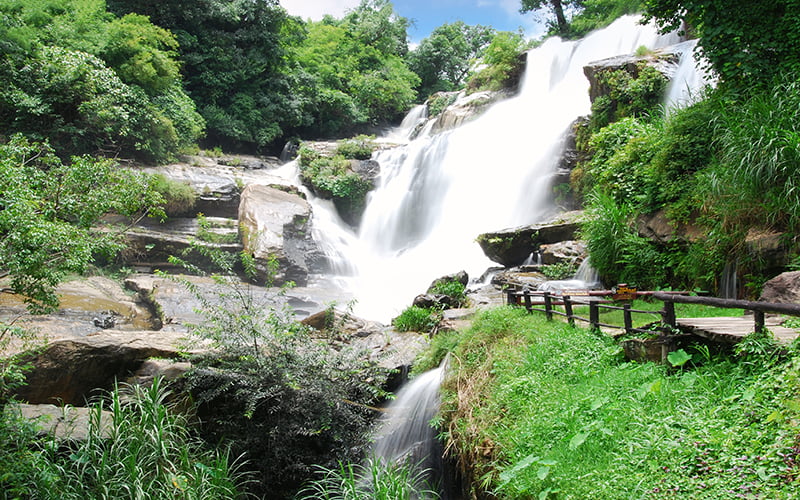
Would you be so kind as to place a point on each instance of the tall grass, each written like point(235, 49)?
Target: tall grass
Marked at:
point(372, 481)
point(761, 158)
point(142, 449)
point(545, 410)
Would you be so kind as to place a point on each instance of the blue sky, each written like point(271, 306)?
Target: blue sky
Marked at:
point(428, 14)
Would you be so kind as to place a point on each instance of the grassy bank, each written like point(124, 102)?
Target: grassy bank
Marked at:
point(543, 410)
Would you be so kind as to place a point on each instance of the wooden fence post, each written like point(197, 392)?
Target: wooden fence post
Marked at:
point(669, 314)
point(626, 314)
point(568, 309)
point(594, 315)
point(548, 306)
point(528, 304)
point(758, 316)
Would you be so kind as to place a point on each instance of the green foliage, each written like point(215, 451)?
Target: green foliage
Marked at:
point(627, 95)
point(765, 33)
point(179, 197)
point(452, 288)
point(357, 148)
point(597, 14)
point(559, 271)
point(760, 141)
point(142, 448)
point(284, 399)
point(438, 102)
point(373, 481)
point(503, 62)
point(49, 215)
point(90, 83)
point(417, 319)
point(333, 178)
point(443, 59)
point(562, 414)
point(348, 75)
point(234, 64)
point(616, 249)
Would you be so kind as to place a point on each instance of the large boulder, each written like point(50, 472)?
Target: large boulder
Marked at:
point(151, 243)
point(511, 247)
point(275, 227)
point(71, 371)
point(784, 289)
point(218, 182)
point(665, 60)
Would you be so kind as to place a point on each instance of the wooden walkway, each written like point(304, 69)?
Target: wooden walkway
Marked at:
point(732, 329)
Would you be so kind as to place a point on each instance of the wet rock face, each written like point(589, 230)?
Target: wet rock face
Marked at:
point(510, 247)
point(276, 227)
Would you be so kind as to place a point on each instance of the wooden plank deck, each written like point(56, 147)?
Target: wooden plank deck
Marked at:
point(732, 329)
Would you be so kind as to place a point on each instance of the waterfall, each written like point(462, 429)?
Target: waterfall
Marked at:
point(438, 192)
point(688, 77)
point(405, 434)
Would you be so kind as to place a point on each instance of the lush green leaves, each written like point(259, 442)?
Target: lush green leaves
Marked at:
point(443, 59)
point(92, 84)
point(48, 212)
point(747, 43)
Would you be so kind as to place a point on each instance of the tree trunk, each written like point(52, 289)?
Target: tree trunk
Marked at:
point(558, 9)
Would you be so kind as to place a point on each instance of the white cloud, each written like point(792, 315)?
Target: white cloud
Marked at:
point(315, 9)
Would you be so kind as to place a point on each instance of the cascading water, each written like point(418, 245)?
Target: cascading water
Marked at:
point(437, 193)
point(405, 434)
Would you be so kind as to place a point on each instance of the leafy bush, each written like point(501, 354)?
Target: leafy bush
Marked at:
point(357, 148)
point(616, 249)
point(627, 95)
point(503, 62)
point(38, 247)
point(285, 400)
point(559, 271)
point(451, 288)
point(438, 102)
point(332, 178)
point(417, 319)
point(179, 197)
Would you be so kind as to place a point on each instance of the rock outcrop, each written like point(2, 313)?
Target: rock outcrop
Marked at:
point(784, 289)
point(276, 228)
point(71, 371)
point(510, 247)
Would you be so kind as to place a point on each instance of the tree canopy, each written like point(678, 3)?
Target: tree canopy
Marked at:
point(443, 60)
point(90, 83)
point(747, 43)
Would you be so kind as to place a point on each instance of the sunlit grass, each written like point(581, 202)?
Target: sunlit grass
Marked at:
point(545, 410)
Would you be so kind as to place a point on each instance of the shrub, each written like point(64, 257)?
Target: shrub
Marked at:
point(357, 148)
point(179, 197)
point(284, 399)
point(417, 319)
point(627, 95)
point(453, 289)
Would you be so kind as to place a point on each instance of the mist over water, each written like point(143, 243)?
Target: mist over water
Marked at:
point(437, 193)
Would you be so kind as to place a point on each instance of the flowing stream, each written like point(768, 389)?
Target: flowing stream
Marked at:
point(438, 192)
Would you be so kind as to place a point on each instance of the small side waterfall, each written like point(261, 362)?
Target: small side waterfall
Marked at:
point(405, 434)
point(586, 278)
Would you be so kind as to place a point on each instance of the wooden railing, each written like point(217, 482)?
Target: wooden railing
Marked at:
point(597, 300)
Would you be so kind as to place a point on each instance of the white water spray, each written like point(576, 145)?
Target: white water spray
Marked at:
point(437, 193)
